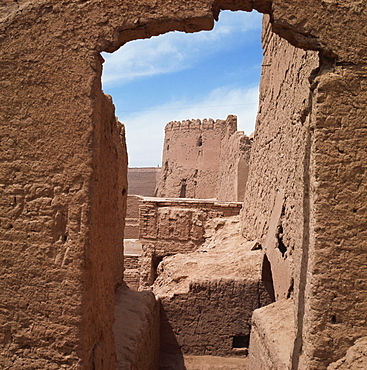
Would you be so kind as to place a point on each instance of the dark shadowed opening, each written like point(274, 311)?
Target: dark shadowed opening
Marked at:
point(267, 278)
point(241, 341)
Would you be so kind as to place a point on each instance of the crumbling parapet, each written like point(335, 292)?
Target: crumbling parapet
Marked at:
point(170, 226)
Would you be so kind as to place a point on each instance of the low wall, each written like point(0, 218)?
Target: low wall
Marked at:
point(143, 180)
point(132, 254)
point(132, 217)
point(170, 226)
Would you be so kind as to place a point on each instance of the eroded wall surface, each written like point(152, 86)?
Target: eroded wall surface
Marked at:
point(132, 217)
point(305, 207)
point(171, 226)
point(190, 161)
point(54, 139)
point(62, 248)
point(63, 180)
point(274, 201)
point(206, 309)
point(143, 180)
point(204, 159)
point(336, 297)
point(233, 165)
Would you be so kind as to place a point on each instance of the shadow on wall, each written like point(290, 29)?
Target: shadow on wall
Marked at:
point(170, 356)
point(267, 278)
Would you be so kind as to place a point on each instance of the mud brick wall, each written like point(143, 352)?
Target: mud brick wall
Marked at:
point(132, 271)
point(132, 217)
point(136, 329)
point(206, 319)
point(143, 181)
point(61, 249)
point(179, 224)
point(274, 200)
point(204, 159)
point(233, 163)
point(170, 226)
point(208, 296)
point(61, 229)
point(300, 201)
point(190, 162)
point(337, 223)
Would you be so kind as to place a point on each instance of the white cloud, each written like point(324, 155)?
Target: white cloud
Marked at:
point(145, 129)
point(176, 51)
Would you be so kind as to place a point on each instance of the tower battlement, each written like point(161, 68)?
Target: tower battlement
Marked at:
point(198, 124)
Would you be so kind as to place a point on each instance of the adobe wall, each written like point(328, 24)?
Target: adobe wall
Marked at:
point(234, 161)
point(132, 217)
point(136, 329)
point(207, 309)
point(143, 180)
point(171, 226)
point(190, 161)
point(56, 135)
point(301, 200)
point(204, 159)
point(62, 207)
point(274, 201)
point(337, 260)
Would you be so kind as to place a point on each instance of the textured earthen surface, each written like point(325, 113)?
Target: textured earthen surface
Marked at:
point(234, 161)
point(206, 309)
point(204, 159)
point(170, 226)
point(272, 335)
point(274, 201)
point(143, 180)
point(336, 297)
point(190, 161)
point(132, 255)
point(132, 217)
point(214, 362)
point(136, 330)
point(355, 358)
point(62, 251)
point(62, 177)
point(304, 148)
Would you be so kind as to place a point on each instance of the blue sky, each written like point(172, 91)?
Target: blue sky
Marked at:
point(180, 76)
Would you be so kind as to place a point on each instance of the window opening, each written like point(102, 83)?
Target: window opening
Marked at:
point(241, 341)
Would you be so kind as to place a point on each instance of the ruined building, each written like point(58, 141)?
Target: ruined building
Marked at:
point(64, 187)
point(207, 159)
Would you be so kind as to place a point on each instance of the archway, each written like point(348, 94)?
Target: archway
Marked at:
point(56, 132)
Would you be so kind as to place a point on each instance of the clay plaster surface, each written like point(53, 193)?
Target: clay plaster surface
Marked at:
point(170, 226)
point(190, 162)
point(136, 330)
point(208, 296)
point(59, 132)
point(215, 363)
point(143, 180)
point(272, 336)
point(274, 200)
point(204, 159)
point(355, 358)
